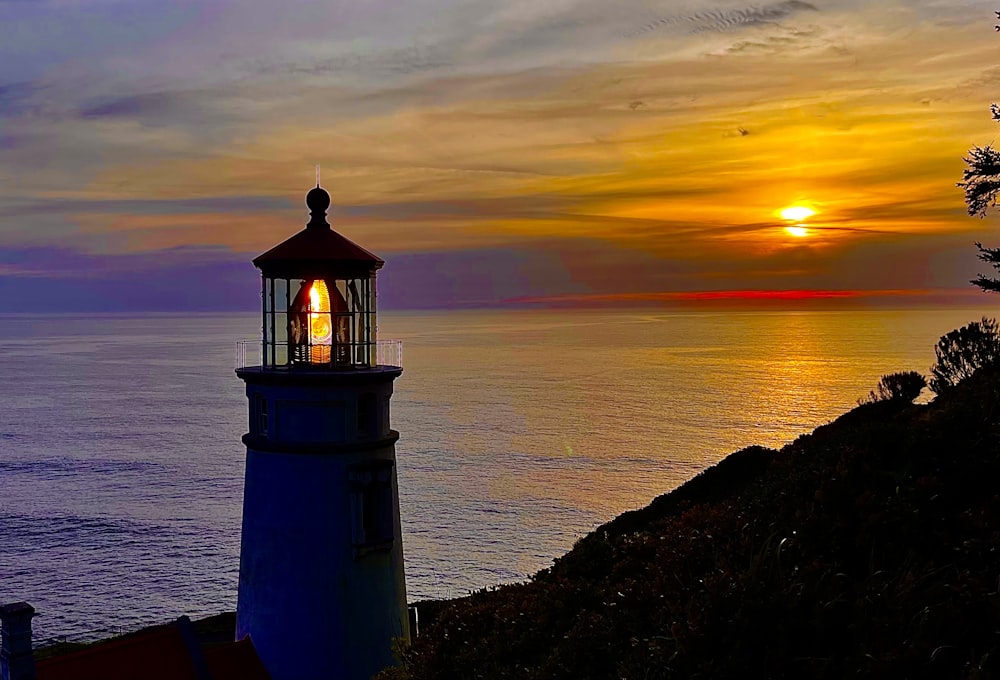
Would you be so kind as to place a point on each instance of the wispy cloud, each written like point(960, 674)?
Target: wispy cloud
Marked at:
point(723, 19)
point(598, 132)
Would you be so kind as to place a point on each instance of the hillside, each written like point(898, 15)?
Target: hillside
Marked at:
point(870, 548)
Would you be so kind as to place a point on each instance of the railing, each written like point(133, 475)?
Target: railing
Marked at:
point(387, 353)
point(245, 347)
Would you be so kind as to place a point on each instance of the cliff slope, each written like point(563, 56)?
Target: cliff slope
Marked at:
point(869, 548)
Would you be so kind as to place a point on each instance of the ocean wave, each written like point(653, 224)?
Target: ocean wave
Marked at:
point(65, 466)
point(67, 530)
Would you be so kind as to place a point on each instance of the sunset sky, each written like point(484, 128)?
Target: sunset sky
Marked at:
point(548, 151)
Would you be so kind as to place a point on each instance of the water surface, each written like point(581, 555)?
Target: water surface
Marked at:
point(121, 467)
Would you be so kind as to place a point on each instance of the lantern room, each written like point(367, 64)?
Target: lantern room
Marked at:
point(318, 298)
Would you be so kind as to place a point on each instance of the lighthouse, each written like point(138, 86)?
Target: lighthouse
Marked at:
point(321, 588)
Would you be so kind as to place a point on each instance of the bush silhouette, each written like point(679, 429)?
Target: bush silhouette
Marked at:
point(897, 386)
point(962, 352)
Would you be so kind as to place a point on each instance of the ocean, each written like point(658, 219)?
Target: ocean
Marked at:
point(121, 467)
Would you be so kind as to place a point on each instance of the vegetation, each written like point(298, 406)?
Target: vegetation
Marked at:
point(962, 352)
point(981, 177)
point(991, 255)
point(981, 182)
point(905, 385)
point(865, 549)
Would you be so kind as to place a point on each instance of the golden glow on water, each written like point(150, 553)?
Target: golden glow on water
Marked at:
point(522, 431)
point(602, 411)
point(798, 231)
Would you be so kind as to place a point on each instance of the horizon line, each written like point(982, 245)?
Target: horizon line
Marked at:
point(731, 299)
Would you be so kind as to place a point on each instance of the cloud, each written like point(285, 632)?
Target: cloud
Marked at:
point(470, 278)
point(403, 61)
point(16, 97)
point(143, 106)
point(24, 208)
point(508, 128)
point(44, 280)
point(722, 19)
point(218, 279)
point(37, 37)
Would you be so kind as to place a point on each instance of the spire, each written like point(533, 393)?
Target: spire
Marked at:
point(318, 201)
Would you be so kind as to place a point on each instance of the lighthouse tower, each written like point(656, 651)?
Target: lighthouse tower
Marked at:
point(321, 590)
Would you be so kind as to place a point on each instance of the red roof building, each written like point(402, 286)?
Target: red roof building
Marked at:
point(167, 652)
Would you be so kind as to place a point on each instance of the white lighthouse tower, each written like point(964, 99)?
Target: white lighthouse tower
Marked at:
point(321, 590)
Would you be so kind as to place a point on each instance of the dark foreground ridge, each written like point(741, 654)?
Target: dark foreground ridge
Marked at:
point(868, 549)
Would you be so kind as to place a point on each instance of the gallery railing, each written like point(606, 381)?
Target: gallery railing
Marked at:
point(385, 353)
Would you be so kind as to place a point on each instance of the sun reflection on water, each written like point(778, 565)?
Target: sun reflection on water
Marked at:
point(573, 417)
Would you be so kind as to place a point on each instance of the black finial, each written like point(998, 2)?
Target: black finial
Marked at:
point(318, 201)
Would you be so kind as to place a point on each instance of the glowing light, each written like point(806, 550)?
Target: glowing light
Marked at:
point(798, 231)
point(320, 329)
point(797, 213)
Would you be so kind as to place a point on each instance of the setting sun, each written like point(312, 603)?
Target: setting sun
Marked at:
point(796, 213)
point(797, 231)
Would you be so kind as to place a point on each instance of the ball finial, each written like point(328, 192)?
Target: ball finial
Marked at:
point(318, 200)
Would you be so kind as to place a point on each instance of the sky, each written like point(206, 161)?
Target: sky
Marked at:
point(540, 152)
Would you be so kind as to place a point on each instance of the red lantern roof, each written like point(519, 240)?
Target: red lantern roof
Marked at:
point(318, 251)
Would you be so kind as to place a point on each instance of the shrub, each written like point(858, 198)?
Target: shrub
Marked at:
point(897, 386)
point(962, 352)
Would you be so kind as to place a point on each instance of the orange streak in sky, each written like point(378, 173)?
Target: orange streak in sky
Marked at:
point(734, 295)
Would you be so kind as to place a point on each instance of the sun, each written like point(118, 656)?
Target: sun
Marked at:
point(797, 213)
point(797, 231)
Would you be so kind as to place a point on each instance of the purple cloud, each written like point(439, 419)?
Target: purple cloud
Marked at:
point(180, 279)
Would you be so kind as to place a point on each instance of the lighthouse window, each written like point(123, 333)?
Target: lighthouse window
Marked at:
point(258, 417)
point(366, 416)
point(372, 507)
point(275, 322)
